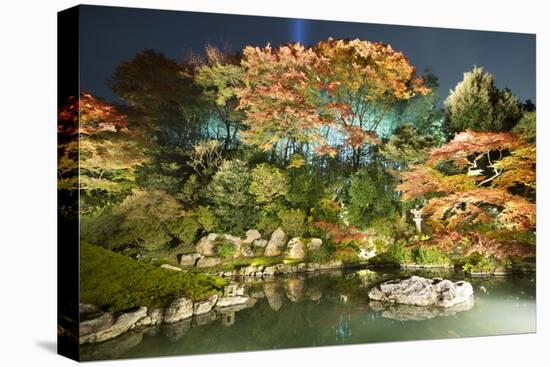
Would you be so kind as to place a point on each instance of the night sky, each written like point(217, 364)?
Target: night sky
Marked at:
point(110, 35)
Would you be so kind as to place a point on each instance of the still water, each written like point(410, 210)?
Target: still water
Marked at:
point(331, 309)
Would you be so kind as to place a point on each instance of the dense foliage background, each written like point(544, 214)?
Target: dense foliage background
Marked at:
point(339, 141)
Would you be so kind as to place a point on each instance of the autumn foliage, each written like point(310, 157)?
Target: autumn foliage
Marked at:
point(293, 93)
point(495, 174)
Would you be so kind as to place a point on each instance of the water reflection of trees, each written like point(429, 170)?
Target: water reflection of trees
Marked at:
point(295, 311)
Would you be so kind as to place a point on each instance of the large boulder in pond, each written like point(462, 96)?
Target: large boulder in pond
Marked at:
point(179, 309)
point(276, 243)
point(418, 291)
point(207, 245)
point(295, 249)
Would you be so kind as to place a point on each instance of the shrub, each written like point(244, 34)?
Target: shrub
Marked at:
point(228, 192)
point(142, 220)
point(370, 196)
point(321, 255)
point(267, 223)
point(226, 249)
point(206, 218)
point(184, 228)
point(269, 186)
point(429, 256)
point(477, 263)
point(293, 222)
point(346, 254)
point(399, 253)
point(327, 210)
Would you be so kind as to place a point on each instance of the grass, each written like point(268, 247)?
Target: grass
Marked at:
point(118, 283)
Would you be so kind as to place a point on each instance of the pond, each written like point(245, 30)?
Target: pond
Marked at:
point(332, 308)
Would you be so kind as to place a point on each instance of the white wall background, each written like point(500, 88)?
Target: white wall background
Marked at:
point(28, 179)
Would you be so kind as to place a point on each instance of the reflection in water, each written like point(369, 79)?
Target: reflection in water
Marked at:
point(418, 313)
point(330, 309)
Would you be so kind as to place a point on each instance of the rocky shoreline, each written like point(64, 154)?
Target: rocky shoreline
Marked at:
point(97, 325)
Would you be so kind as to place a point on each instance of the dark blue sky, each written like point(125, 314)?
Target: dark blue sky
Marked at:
point(110, 35)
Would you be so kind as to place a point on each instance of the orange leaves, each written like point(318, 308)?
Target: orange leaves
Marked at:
point(291, 92)
point(419, 181)
point(467, 243)
point(89, 115)
point(341, 235)
point(471, 142)
point(455, 209)
point(499, 166)
point(357, 137)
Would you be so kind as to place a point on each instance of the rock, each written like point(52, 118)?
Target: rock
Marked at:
point(258, 293)
point(203, 307)
point(314, 293)
point(276, 243)
point(97, 324)
point(108, 327)
point(418, 313)
point(156, 316)
point(247, 251)
point(170, 267)
point(111, 349)
point(269, 271)
point(274, 295)
point(205, 318)
point(189, 259)
point(418, 291)
point(179, 309)
point(295, 249)
point(231, 301)
point(207, 245)
point(205, 262)
point(251, 236)
point(146, 321)
point(314, 244)
point(236, 241)
point(175, 331)
point(295, 289)
point(260, 243)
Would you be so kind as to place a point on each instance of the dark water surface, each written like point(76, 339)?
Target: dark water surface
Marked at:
point(331, 309)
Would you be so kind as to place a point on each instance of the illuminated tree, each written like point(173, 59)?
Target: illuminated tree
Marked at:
point(492, 183)
point(280, 99)
point(360, 83)
point(477, 104)
point(97, 151)
point(219, 77)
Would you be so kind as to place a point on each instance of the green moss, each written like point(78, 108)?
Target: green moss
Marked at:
point(116, 282)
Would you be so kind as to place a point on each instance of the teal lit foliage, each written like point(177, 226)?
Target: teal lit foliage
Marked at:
point(370, 195)
point(407, 145)
point(229, 194)
point(423, 112)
